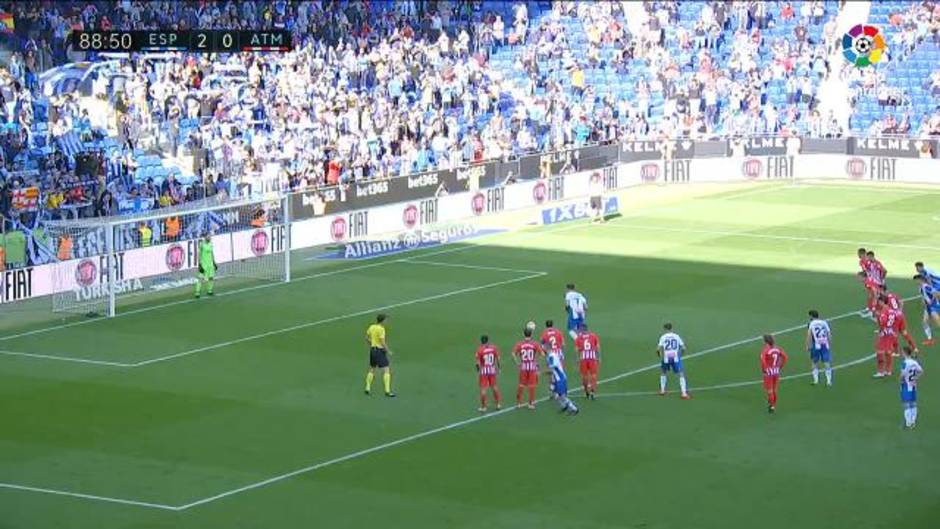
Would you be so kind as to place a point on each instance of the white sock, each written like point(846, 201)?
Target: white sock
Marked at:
point(914, 415)
point(682, 384)
point(662, 383)
point(907, 416)
point(574, 335)
point(928, 331)
point(815, 375)
point(829, 375)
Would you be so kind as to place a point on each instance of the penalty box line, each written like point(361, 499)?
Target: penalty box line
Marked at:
point(731, 385)
point(529, 274)
point(452, 426)
point(378, 448)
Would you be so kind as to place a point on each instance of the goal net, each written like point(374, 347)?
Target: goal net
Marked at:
point(103, 266)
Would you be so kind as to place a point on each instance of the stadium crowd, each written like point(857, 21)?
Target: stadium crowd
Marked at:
point(375, 89)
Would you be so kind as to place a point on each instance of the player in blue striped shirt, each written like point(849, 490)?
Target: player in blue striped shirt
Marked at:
point(931, 296)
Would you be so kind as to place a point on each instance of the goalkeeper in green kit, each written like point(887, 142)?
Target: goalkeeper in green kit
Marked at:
point(207, 266)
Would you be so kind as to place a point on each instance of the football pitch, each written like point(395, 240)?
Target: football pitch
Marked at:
point(247, 410)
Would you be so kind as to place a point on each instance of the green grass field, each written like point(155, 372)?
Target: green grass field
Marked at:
point(246, 410)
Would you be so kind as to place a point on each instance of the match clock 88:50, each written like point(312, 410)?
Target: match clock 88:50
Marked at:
point(103, 41)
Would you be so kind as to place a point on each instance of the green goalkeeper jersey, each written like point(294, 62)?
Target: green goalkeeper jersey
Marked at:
point(206, 255)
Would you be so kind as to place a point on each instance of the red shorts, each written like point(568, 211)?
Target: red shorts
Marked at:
point(528, 378)
point(487, 381)
point(771, 382)
point(887, 343)
point(589, 366)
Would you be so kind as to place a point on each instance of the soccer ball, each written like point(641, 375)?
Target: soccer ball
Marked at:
point(530, 326)
point(863, 45)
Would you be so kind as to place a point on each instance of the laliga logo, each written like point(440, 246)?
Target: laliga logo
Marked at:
point(338, 229)
point(478, 203)
point(863, 45)
point(86, 272)
point(174, 257)
point(855, 168)
point(410, 216)
point(751, 168)
point(539, 192)
point(649, 172)
point(259, 243)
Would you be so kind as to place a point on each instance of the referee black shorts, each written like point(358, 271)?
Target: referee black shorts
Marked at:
point(378, 357)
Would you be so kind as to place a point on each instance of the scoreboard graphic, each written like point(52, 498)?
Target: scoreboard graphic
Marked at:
point(195, 41)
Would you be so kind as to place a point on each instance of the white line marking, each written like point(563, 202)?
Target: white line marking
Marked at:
point(474, 267)
point(458, 424)
point(768, 236)
point(192, 300)
point(384, 446)
point(75, 359)
point(105, 499)
point(732, 195)
point(693, 389)
point(336, 318)
point(531, 274)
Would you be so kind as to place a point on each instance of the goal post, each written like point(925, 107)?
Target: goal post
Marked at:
point(103, 265)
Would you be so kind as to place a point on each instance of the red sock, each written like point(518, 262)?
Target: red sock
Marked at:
point(496, 396)
point(594, 384)
point(482, 399)
point(519, 395)
point(531, 394)
point(587, 386)
point(881, 362)
point(889, 362)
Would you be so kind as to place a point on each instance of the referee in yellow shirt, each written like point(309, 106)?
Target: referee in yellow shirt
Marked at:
point(378, 355)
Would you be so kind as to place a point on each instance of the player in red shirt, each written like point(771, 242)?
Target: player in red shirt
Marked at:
point(892, 300)
point(589, 348)
point(863, 259)
point(772, 360)
point(862, 277)
point(487, 361)
point(526, 354)
point(553, 340)
point(872, 289)
point(876, 271)
point(891, 324)
point(873, 277)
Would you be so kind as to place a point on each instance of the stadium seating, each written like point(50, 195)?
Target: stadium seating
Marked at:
point(908, 73)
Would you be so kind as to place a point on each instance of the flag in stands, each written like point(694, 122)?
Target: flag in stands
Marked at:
point(6, 22)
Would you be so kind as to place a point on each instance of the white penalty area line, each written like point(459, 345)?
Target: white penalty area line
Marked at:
point(465, 422)
point(77, 323)
point(384, 446)
point(93, 497)
point(730, 385)
point(324, 321)
point(529, 274)
point(726, 233)
point(63, 358)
